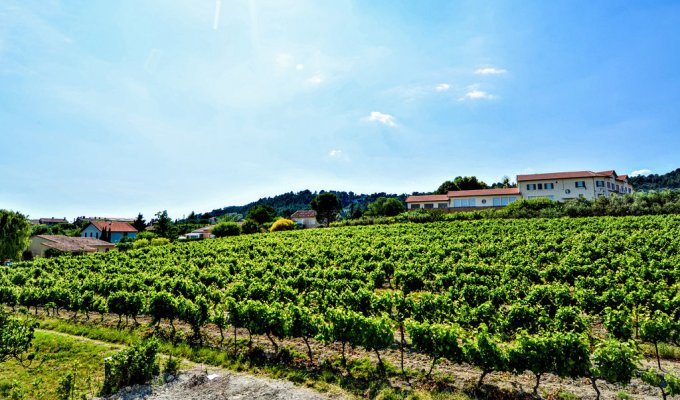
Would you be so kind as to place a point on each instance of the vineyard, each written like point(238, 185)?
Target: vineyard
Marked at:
point(574, 298)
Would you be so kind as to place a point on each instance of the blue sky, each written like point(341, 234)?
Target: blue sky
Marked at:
point(112, 108)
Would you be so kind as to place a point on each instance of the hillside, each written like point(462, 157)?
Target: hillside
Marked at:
point(670, 180)
point(287, 203)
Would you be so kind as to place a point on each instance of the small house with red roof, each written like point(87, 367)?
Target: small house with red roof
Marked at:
point(558, 186)
point(306, 218)
point(117, 230)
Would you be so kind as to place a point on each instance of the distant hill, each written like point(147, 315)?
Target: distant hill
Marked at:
point(287, 203)
point(645, 183)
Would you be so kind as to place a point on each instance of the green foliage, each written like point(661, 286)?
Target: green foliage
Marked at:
point(15, 231)
point(136, 365)
point(164, 227)
point(619, 323)
point(141, 243)
point(250, 226)
point(615, 361)
point(148, 235)
point(282, 224)
point(172, 366)
point(385, 207)
point(16, 336)
point(159, 241)
point(461, 183)
point(327, 207)
point(484, 353)
point(261, 214)
point(438, 341)
point(223, 229)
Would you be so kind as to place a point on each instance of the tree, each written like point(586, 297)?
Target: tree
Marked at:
point(327, 207)
point(384, 206)
point(262, 213)
point(164, 226)
point(15, 231)
point(15, 337)
point(461, 183)
point(223, 229)
point(140, 223)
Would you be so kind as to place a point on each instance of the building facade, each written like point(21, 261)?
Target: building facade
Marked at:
point(118, 230)
point(558, 186)
point(41, 244)
point(306, 218)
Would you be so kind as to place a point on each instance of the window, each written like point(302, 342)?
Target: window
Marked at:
point(581, 184)
point(443, 205)
point(429, 205)
point(540, 186)
point(90, 234)
point(617, 188)
point(609, 185)
point(531, 186)
point(599, 183)
point(97, 235)
point(414, 206)
point(483, 201)
point(463, 203)
point(125, 234)
point(549, 186)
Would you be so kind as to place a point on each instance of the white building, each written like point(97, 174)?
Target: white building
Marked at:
point(558, 186)
point(306, 218)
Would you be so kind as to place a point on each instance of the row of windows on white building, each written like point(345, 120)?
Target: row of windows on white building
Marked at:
point(463, 203)
point(580, 184)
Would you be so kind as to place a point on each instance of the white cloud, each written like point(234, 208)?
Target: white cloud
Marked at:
point(442, 87)
point(335, 153)
point(490, 71)
point(300, 67)
point(315, 80)
point(476, 94)
point(385, 119)
point(641, 172)
point(284, 60)
point(216, 18)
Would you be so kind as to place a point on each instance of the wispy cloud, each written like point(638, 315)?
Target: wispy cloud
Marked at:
point(315, 80)
point(490, 71)
point(476, 94)
point(385, 119)
point(442, 87)
point(641, 172)
point(335, 153)
point(216, 18)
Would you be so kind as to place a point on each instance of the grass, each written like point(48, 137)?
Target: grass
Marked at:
point(666, 351)
point(61, 355)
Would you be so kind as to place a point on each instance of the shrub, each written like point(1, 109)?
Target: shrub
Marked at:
point(223, 229)
point(135, 366)
point(250, 226)
point(148, 235)
point(159, 241)
point(138, 244)
point(282, 224)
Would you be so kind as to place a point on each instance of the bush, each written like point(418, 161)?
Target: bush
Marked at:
point(250, 226)
point(138, 244)
point(282, 224)
point(160, 241)
point(148, 235)
point(135, 366)
point(223, 229)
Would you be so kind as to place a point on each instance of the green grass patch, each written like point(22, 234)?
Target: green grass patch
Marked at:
point(60, 355)
point(124, 336)
point(666, 351)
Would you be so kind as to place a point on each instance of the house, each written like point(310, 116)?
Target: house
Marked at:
point(41, 244)
point(49, 221)
point(118, 230)
point(202, 233)
point(83, 221)
point(558, 186)
point(306, 218)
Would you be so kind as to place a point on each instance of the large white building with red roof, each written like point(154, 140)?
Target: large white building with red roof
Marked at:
point(558, 186)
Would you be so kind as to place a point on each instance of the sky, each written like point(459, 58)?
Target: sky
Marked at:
point(110, 108)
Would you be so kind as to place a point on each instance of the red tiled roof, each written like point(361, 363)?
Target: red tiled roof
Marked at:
point(205, 229)
point(622, 178)
point(428, 197)
point(113, 226)
point(484, 192)
point(68, 243)
point(564, 175)
point(304, 214)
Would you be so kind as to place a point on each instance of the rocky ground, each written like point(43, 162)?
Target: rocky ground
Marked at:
point(216, 384)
